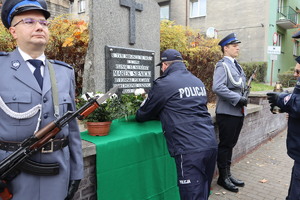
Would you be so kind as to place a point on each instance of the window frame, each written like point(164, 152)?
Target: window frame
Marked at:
point(201, 9)
point(164, 4)
point(81, 6)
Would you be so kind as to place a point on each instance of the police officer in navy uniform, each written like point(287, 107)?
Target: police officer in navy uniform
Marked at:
point(229, 82)
point(179, 99)
point(290, 103)
point(29, 101)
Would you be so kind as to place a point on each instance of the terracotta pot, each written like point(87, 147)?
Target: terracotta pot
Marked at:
point(98, 128)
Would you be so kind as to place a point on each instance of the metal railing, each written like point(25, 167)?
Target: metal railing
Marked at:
point(287, 13)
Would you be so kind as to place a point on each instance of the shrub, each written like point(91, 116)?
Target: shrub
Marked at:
point(260, 73)
point(287, 79)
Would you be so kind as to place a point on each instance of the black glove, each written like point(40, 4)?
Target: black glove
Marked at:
point(273, 97)
point(2, 186)
point(73, 187)
point(242, 102)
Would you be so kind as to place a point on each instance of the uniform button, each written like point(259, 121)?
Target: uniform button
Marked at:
point(45, 100)
point(65, 99)
point(14, 98)
point(45, 115)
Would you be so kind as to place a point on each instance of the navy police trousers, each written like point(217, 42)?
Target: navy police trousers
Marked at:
point(194, 173)
point(294, 190)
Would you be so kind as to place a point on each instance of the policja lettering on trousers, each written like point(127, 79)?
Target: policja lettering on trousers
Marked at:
point(192, 91)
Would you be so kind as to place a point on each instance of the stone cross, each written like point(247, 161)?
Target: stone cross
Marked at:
point(133, 6)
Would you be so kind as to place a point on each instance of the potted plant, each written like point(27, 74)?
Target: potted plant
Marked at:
point(99, 121)
point(113, 108)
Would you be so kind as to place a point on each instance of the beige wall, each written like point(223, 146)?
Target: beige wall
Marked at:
point(247, 18)
point(74, 10)
point(58, 7)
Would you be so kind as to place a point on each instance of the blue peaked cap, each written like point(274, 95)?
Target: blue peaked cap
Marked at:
point(11, 8)
point(229, 39)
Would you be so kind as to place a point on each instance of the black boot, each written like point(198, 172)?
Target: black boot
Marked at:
point(225, 181)
point(234, 180)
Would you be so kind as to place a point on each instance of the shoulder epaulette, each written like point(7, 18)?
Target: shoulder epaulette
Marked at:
point(3, 53)
point(61, 63)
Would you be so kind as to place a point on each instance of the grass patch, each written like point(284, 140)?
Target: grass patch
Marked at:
point(255, 87)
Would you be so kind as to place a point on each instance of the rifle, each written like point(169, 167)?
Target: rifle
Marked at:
point(248, 87)
point(9, 167)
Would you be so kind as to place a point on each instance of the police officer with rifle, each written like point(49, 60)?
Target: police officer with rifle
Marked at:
point(229, 83)
point(35, 92)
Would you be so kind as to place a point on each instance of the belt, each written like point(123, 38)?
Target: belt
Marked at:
point(49, 147)
point(39, 169)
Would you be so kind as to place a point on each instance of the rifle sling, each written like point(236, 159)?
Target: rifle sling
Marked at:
point(52, 145)
point(39, 169)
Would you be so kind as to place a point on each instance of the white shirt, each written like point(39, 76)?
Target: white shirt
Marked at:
point(26, 57)
point(230, 58)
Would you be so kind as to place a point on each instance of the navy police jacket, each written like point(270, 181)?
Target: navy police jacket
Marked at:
point(290, 103)
point(179, 100)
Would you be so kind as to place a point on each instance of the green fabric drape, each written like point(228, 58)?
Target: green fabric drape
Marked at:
point(133, 163)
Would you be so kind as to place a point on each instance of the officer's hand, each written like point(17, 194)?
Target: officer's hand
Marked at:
point(2, 186)
point(242, 102)
point(273, 97)
point(73, 187)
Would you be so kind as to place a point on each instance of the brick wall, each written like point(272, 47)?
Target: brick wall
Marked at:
point(87, 187)
point(260, 125)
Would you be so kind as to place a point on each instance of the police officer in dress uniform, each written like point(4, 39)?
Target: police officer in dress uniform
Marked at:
point(178, 99)
point(290, 103)
point(229, 81)
point(27, 104)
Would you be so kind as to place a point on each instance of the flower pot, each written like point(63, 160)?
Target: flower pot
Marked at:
point(98, 128)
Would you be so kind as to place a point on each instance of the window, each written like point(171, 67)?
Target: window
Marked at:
point(81, 6)
point(164, 12)
point(295, 49)
point(197, 8)
point(279, 40)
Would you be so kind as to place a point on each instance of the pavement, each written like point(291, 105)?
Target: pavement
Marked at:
point(266, 172)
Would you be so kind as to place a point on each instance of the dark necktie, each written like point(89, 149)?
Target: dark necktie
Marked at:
point(237, 66)
point(37, 72)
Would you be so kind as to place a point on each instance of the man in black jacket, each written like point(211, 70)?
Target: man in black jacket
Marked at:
point(178, 99)
point(290, 103)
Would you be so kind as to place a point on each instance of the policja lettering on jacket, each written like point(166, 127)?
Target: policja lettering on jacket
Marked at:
point(192, 91)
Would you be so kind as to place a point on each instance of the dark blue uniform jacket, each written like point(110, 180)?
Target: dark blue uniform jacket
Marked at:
point(179, 99)
point(290, 103)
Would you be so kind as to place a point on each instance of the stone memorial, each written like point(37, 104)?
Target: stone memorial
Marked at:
point(124, 45)
point(129, 68)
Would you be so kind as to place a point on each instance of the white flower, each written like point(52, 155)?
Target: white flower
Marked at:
point(114, 96)
point(139, 91)
point(91, 94)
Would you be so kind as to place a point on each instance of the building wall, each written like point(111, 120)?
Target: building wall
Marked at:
point(58, 7)
point(254, 22)
point(246, 18)
point(285, 61)
point(74, 10)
